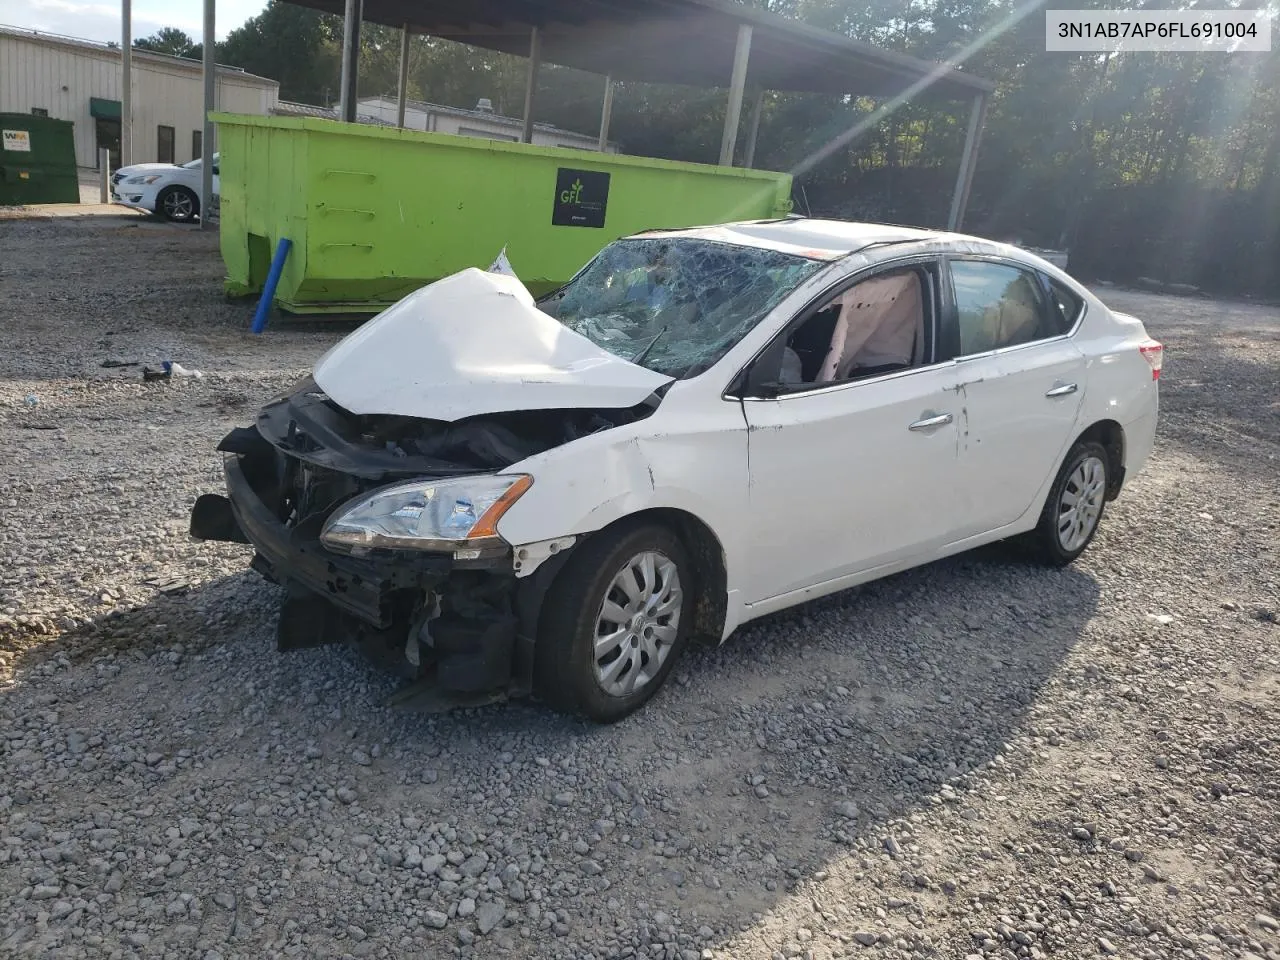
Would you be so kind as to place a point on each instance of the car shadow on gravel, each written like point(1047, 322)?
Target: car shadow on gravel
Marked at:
point(776, 756)
point(767, 760)
point(182, 617)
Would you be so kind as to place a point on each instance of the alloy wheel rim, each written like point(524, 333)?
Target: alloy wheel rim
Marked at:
point(637, 624)
point(1080, 503)
point(178, 205)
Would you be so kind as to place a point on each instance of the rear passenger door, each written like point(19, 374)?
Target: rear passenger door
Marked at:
point(1022, 380)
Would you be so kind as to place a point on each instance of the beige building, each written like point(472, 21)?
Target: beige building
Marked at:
point(79, 80)
point(479, 122)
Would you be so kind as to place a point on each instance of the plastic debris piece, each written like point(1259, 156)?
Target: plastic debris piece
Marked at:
point(31, 400)
point(502, 265)
point(178, 370)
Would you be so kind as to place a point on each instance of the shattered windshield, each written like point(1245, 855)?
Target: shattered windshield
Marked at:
point(675, 304)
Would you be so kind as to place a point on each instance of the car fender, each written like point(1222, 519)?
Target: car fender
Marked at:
point(689, 463)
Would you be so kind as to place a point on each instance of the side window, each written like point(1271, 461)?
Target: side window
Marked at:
point(998, 306)
point(1066, 303)
point(878, 325)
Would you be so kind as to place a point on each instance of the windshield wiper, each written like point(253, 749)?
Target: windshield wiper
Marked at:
point(644, 352)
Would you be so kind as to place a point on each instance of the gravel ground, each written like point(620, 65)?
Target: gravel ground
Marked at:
point(974, 759)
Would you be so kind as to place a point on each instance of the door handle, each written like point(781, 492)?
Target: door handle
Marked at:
point(931, 423)
point(1063, 390)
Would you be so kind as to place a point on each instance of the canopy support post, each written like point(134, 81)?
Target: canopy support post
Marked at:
point(350, 60)
point(737, 84)
point(210, 68)
point(531, 84)
point(968, 162)
point(606, 112)
point(126, 83)
point(749, 157)
point(404, 76)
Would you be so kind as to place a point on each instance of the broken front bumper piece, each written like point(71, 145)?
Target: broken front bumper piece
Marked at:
point(467, 627)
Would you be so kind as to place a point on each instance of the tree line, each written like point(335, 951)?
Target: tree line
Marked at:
point(1164, 165)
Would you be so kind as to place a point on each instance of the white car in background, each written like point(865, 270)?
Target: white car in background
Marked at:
point(502, 496)
point(167, 189)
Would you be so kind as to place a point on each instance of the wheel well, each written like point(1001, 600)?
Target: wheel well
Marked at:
point(711, 593)
point(1111, 435)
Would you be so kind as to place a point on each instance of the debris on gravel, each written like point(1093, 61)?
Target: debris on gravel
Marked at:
point(979, 758)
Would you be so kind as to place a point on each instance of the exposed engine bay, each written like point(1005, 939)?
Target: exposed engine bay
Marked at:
point(462, 621)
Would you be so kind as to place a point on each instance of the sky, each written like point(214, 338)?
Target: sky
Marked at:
point(101, 20)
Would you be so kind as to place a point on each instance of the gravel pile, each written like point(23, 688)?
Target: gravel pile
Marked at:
point(975, 759)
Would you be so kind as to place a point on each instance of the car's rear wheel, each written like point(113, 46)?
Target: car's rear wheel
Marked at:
point(614, 623)
point(1073, 510)
point(178, 204)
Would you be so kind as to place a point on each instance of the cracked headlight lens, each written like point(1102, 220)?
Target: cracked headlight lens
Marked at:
point(425, 514)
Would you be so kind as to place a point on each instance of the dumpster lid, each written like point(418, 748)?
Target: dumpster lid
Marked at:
point(470, 344)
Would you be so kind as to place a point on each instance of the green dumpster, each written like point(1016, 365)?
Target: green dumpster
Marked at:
point(37, 160)
point(376, 212)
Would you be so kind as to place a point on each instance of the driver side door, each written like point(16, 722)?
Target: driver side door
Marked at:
point(849, 476)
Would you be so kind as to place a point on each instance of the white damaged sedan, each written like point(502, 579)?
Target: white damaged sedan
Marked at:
point(500, 496)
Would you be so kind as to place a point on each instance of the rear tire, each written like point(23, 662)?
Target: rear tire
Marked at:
point(178, 204)
point(614, 623)
point(1073, 510)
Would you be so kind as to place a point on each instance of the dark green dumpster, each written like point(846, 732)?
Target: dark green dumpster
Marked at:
point(37, 160)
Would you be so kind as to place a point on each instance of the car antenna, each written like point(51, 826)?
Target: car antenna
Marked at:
point(644, 352)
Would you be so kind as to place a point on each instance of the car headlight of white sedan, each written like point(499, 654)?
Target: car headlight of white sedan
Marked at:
point(146, 179)
point(458, 514)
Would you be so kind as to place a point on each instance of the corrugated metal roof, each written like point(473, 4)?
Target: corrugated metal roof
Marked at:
point(287, 108)
point(57, 39)
point(675, 41)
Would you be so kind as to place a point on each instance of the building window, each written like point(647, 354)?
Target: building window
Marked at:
point(164, 144)
point(39, 112)
point(197, 144)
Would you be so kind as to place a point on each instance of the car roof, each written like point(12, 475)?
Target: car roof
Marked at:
point(804, 236)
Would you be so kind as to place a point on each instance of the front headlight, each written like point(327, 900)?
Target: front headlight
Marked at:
point(460, 514)
point(150, 178)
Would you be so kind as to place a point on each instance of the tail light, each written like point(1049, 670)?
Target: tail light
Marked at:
point(1153, 353)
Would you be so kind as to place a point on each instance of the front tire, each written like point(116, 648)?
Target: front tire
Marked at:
point(1073, 510)
point(614, 623)
point(178, 204)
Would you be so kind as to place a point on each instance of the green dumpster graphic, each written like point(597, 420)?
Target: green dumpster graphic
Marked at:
point(376, 212)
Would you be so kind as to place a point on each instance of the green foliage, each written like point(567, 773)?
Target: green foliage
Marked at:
point(295, 45)
point(1062, 128)
point(172, 41)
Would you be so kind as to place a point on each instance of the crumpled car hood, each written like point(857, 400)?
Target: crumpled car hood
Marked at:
point(470, 344)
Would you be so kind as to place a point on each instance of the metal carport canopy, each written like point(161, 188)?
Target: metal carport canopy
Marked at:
point(706, 43)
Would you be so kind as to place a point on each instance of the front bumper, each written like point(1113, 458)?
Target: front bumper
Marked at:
point(464, 630)
point(363, 588)
point(132, 200)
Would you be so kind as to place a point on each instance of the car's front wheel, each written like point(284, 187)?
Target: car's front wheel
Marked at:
point(614, 622)
point(178, 204)
point(1074, 507)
